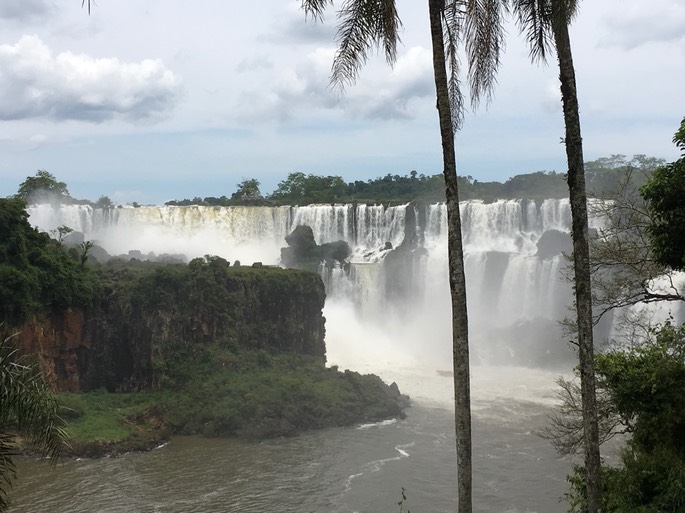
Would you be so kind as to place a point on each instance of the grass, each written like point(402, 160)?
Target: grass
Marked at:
point(101, 416)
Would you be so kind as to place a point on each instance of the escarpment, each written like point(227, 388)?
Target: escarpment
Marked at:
point(147, 316)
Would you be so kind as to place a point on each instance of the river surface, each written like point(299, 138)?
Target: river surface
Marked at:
point(344, 470)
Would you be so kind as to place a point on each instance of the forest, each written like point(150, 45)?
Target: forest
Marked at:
point(304, 189)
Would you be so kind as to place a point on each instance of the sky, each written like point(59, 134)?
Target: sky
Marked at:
point(151, 101)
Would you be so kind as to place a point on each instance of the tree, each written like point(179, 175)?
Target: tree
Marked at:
point(36, 273)
point(605, 175)
point(624, 268)
point(248, 189)
point(665, 195)
point(301, 189)
point(546, 24)
point(27, 408)
point(42, 186)
point(365, 24)
point(642, 391)
point(104, 202)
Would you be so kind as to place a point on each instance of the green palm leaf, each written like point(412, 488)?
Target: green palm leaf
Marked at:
point(27, 409)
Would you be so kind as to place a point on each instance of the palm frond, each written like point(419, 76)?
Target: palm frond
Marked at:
point(484, 40)
point(8, 471)
point(534, 20)
point(453, 20)
point(362, 26)
point(27, 408)
point(315, 8)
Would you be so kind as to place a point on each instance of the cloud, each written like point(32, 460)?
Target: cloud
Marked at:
point(292, 27)
point(34, 83)
point(390, 94)
point(256, 63)
point(304, 89)
point(632, 28)
point(292, 90)
point(25, 10)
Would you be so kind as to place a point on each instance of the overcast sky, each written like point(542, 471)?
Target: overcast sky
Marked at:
point(156, 100)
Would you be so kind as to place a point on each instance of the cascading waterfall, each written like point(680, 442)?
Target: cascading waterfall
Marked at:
point(515, 294)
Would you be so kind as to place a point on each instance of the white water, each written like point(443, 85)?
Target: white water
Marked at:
point(515, 297)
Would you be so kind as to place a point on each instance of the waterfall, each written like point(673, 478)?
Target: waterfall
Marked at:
point(516, 294)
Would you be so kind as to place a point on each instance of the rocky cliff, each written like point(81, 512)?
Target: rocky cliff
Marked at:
point(149, 318)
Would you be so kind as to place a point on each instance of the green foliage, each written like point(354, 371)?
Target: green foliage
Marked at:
point(104, 202)
point(607, 174)
point(233, 392)
point(100, 416)
point(35, 270)
point(43, 186)
point(60, 232)
point(646, 385)
point(539, 185)
point(259, 394)
point(28, 409)
point(305, 189)
point(301, 189)
point(247, 190)
point(665, 194)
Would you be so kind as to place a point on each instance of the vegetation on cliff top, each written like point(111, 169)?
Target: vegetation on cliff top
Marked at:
point(35, 271)
point(307, 188)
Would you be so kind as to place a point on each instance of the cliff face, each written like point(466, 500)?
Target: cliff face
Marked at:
point(150, 318)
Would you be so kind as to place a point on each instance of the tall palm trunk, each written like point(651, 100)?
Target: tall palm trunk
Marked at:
point(581, 261)
point(460, 338)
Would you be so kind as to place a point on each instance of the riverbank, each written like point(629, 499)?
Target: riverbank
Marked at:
point(251, 395)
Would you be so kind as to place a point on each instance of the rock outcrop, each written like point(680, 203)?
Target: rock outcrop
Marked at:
point(304, 253)
point(148, 315)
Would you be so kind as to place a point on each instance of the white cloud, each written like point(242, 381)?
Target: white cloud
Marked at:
point(256, 63)
point(662, 22)
point(391, 93)
point(34, 83)
point(294, 90)
point(305, 89)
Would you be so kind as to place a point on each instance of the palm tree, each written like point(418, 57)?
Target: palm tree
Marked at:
point(27, 409)
point(368, 24)
point(546, 24)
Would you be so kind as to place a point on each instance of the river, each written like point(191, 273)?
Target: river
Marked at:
point(345, 470)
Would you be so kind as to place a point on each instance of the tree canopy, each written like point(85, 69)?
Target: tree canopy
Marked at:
point(643, 387)
point(247, 190)
point(304, 189)
point(665, 194)
point(299, 188)
point(42, 187)
point(35, 270)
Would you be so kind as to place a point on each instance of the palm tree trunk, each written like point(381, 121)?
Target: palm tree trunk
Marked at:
point(581, 261)
point(460, 338)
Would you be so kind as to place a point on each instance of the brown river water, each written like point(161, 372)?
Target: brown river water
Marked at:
point(344, 470)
